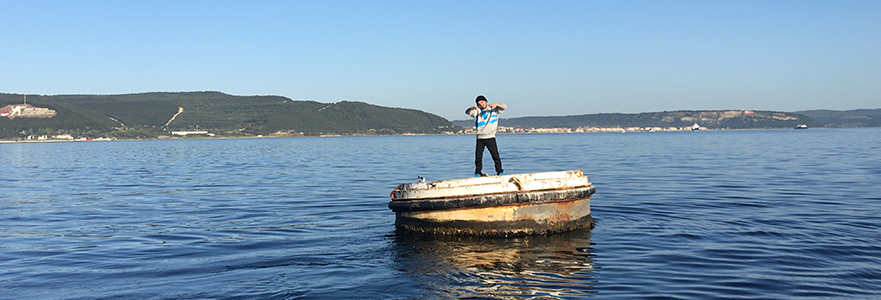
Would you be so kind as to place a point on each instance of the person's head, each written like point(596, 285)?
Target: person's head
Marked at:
point(481, 102)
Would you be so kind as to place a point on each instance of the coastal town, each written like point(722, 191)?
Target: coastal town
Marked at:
point(503, 129)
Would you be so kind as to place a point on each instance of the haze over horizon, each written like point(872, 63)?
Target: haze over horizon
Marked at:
point(541, 59)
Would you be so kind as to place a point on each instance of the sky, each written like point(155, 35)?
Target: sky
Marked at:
point(541, 58)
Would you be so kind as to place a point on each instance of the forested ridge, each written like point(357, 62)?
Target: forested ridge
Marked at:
point(147, 115)
point(845, 118)
point(721, 119)
point(712, 119)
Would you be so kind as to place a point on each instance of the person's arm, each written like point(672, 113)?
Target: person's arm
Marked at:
point(472, 111)
point(501, 107)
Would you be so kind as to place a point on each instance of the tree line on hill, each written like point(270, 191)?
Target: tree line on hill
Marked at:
point(716, 119)
point(147, 115)
point(845, 119)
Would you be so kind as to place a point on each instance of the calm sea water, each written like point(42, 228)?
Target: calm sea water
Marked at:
point(765, 214)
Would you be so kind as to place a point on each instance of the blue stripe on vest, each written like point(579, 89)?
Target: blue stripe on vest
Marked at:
point(487, 116)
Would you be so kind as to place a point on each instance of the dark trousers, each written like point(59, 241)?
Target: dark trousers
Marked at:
point(493, 151)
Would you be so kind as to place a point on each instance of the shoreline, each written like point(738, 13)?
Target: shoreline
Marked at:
point(2, 141)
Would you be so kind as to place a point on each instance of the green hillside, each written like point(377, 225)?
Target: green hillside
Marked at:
point(70, 119)
point(148, 115)
point(846, 118)
point(731, 119)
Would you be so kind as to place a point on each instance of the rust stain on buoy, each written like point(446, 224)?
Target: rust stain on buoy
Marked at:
point(501, 221)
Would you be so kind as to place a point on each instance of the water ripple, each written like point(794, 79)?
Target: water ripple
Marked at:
point(768, 214)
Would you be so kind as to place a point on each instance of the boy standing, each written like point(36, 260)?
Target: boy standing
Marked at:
point(486, 119)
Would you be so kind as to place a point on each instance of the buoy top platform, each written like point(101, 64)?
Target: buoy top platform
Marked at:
point(516, 183)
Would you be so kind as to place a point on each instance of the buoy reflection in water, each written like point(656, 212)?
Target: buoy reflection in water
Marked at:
point(526, 267)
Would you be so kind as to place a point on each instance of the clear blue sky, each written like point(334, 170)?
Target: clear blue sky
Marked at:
point(541, 58)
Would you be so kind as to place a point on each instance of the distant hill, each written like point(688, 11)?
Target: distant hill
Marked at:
point(846, 118)
point(147, 114)
point(732, 119)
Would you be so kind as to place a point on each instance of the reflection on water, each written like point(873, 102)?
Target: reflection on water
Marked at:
point(528, 267)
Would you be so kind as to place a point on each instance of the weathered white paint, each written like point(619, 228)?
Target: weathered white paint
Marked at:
point(491, 185)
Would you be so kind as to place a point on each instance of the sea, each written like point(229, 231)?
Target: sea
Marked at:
point(737, 214)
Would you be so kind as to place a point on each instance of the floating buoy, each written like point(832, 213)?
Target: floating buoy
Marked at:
point(508, 205)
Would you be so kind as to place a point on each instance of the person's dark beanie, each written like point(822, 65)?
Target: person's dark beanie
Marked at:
point(480, 98)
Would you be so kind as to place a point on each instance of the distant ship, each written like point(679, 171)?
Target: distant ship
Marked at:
point(801, 126)
point(695, 127)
